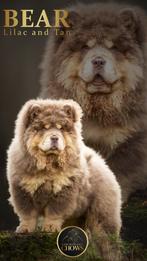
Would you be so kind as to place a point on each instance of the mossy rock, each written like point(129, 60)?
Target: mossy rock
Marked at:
point(36, 247)
point(42, 246)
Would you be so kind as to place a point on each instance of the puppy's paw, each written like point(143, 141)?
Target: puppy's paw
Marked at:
point(54, 226)
point(24, 228)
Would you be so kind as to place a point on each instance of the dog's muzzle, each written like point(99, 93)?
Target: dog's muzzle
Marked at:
point(49, 143)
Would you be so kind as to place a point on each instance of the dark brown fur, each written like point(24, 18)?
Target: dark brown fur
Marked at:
point(115, 116)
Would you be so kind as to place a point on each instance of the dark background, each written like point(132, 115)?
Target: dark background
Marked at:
point(19, 81)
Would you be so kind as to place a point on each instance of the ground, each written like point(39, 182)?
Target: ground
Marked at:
point(42, 246)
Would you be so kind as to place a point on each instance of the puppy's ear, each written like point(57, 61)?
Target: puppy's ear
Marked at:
point(70, 112)
point(32, 113)
point(134, 20)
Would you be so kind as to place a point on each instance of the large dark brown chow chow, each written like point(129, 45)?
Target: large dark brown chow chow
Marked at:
point(52, 173)
point(102, 65)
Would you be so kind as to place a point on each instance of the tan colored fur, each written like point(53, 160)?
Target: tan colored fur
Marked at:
point(58, 180)
point(111, 137)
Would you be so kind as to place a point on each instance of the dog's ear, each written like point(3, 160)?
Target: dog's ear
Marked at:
point(72, 20)
point(134, 20)
point(70, 112)
point(32, 113)
point(129, 19)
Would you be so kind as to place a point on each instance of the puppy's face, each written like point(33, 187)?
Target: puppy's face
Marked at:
point(49, 130)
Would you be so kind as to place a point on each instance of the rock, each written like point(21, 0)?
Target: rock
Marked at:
point(42, 246)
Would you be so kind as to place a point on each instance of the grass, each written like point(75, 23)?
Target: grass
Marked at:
point(36, 246)
point(42, 247)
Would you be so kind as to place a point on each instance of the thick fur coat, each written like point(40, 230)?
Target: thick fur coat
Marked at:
point(102, 65)
point(52, 173)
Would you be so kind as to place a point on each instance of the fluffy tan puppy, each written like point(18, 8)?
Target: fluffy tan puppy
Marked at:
point(52, 173)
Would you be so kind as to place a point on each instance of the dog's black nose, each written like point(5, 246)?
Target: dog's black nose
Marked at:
point(98, 62)
point(54, 142)
point(54, 139)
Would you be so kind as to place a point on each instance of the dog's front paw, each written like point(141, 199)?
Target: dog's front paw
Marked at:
point(54, 226)
point(24, 228)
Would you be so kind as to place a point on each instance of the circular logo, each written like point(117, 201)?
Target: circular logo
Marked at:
point(72, 241)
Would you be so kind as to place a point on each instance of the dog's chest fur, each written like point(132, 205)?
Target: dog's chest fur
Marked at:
point(59, 192)
point(51, 183)
point(106, 139)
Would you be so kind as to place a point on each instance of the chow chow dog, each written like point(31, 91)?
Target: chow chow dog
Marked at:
point(51, 172)
point(102, 65)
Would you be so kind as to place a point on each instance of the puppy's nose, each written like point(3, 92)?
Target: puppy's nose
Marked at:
point(98, 62)
point(54, 139)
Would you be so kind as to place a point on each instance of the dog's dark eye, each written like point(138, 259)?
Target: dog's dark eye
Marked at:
point(117, 49)
point(66, 127)
point(63, 127)
point(114, 48)
point(85, 47)
point(38, 127)
point(121, 50)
